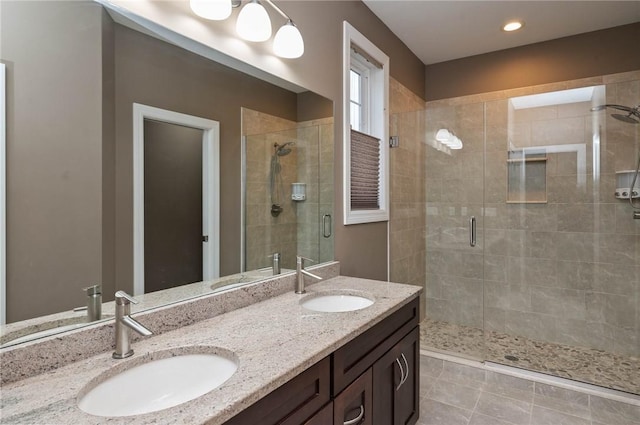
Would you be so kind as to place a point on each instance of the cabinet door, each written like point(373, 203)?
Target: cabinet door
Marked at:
point(353, 406)
point(407, 397)
point(396, 383)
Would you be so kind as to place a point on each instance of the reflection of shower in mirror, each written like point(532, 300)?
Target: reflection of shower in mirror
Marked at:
point(276, 187)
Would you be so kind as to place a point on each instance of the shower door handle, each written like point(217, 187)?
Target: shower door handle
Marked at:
point(326, 225)
point(472, 231)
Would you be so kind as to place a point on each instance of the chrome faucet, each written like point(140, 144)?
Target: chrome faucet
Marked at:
point(301, 273)
point(124, 322)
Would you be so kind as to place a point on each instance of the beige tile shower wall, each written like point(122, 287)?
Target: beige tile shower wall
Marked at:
point(407, 166)
point(567, 271)
point(266, 234)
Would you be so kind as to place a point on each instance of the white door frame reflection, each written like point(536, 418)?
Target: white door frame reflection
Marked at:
point(210, 188)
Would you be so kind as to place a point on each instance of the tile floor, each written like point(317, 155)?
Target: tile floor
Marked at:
point(457, 394)
point(596, 367)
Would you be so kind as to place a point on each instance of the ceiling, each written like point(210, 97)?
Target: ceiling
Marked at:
point(438, 31)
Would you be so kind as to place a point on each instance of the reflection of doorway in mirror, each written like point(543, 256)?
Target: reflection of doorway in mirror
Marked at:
point(3, 197)
point(176, 212)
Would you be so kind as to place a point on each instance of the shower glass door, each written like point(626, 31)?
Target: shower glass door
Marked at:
point(455, 243)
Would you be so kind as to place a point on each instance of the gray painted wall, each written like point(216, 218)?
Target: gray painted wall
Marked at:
point(54, 185)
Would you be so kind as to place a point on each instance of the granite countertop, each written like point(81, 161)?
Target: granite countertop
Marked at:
point(273, 341)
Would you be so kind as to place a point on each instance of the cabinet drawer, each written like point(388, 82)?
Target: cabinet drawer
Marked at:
point(354, 405)
point(353, 359)
point(323, 417)
point(294, 402)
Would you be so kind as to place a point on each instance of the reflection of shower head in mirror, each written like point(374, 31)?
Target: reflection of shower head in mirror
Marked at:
point(632, 115)
point(282, 150)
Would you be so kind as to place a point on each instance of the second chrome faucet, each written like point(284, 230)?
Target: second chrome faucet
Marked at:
point(301, 273)
point(124, 323)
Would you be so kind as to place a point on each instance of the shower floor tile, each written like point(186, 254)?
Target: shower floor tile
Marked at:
point(597, 367)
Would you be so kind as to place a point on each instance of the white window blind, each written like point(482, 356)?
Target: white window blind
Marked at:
point(365, 171)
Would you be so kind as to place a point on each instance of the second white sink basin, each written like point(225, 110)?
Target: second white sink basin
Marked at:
point(335, 303)
point(158, 384)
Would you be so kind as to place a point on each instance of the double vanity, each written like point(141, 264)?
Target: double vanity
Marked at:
point(346, 351)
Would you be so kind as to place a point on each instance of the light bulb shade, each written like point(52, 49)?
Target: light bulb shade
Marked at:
point(253, 22)
point(443, 135)
point(455, 143)
point(288, 42)
point(216, 10)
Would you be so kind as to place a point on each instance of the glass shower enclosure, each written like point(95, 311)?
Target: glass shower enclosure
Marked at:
point(532, 257)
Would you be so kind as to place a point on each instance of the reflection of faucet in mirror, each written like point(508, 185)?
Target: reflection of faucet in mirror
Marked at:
point(94, 303)
point(276, 263)
point(124, 322)
point(301, 273)
point(276, 188)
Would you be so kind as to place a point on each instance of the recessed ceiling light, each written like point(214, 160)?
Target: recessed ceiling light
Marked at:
point(512, 26)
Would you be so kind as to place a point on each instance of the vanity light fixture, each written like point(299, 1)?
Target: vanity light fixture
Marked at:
point(512, 26)
point(215, 10)
point(253, 24)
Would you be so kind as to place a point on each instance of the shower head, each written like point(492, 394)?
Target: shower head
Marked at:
point(630, 118)
point(282, 150)
point(632, 114)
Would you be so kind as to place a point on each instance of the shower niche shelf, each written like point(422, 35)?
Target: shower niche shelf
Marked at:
point(526, 178)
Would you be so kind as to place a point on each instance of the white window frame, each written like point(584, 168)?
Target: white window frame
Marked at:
point(378, 122)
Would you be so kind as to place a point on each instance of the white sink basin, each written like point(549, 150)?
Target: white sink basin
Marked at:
point(157, 385)
point(335, 303)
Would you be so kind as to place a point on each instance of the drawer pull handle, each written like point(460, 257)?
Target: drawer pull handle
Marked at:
point(357, 418)
point(402, 378)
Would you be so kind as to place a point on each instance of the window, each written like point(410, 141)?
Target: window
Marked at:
point(359, 91)
point(366, 152)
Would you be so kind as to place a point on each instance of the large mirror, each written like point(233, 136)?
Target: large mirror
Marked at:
point(137, 165)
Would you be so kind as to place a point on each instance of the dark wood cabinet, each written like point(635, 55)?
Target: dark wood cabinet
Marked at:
point(372, 380)
point(396, 386)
